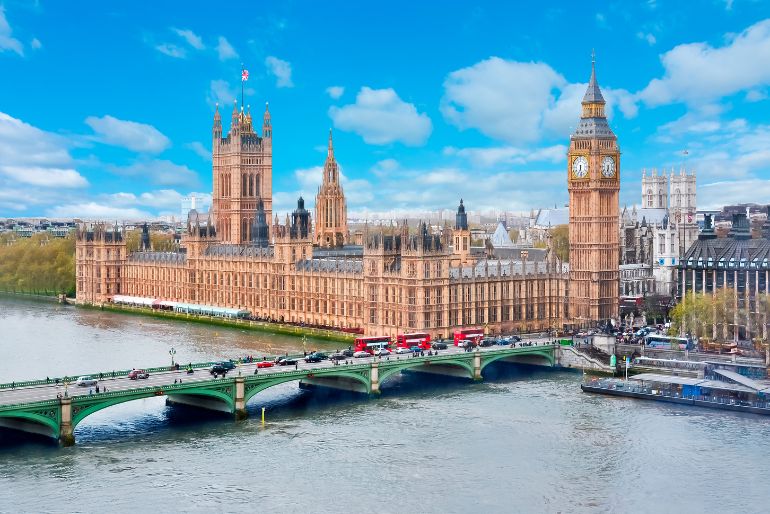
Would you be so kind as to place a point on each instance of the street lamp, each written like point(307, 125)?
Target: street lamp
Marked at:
point(172, 352)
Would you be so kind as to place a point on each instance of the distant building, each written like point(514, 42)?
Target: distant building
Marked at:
point(738, 263)
point(197, 202)
point(655, 236)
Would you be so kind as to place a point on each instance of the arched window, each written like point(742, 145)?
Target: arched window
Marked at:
point(251, 185)
point(649, 198)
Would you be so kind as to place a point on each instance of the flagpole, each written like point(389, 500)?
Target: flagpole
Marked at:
point(242, 68)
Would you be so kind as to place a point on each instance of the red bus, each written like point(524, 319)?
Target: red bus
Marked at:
point(472, 334)
point(372, 343)
point(420, 339)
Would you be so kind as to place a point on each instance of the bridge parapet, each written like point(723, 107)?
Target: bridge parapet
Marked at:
point(58, 417)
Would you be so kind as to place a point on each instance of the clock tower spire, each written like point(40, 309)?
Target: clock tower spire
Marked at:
point(593, 181)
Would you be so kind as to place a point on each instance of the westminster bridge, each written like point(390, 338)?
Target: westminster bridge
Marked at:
point(53, 408)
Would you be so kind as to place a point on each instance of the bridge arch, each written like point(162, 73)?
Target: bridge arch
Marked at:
point(256, 387)
point(80, 413)
point(45, 421)
point(531, 357)
point(385, 373)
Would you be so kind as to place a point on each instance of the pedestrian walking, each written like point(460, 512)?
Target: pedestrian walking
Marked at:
point(296, 366)
point(90, 391)
point(97, 388)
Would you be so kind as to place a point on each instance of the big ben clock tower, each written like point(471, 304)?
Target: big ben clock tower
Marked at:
point(593, 179)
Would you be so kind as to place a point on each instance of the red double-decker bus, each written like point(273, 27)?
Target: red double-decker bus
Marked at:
point(421, 339)
point(471, 334)
point(372, 343)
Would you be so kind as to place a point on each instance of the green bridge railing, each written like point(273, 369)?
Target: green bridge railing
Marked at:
point(117, 373)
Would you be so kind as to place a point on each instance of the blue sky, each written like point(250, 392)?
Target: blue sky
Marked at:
point(106, 107)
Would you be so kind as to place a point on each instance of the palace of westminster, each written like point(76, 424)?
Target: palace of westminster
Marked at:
point(308, 269)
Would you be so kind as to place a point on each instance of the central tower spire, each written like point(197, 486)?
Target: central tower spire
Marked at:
point(331, 223)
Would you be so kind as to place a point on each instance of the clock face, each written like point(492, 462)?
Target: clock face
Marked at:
point(608, 167)
point(580, 167)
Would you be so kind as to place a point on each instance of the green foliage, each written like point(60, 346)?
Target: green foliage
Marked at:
point(693, 315)
point(159, 241)
point(41, 264)
point(560, 242)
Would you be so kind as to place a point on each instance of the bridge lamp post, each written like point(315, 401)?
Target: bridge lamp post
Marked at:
point(172, 352)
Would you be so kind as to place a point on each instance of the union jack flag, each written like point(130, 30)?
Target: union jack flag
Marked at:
point(244, 75)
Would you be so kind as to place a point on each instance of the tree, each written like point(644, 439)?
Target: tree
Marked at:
point(692, 315)
point(560, 242)
point(39, 264)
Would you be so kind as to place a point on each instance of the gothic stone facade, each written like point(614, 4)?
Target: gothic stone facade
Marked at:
point(396, 281)
point(593, 178)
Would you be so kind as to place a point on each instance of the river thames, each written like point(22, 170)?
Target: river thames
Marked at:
point(523, 440)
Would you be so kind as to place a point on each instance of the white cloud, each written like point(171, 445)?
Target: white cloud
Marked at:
point(44, 177)
point(756, 95)
point(171, 50)
point(35, 166)
point(225, 50)
point(502, 99)
point(490, 157)
point(648, 37)
point(715, 195)
point(97, 211)
point(193, 39)
point(35, 43)
point(158, 199)
point(697, 73)
point(385, 167)
point(309, 179)
point(381, 117)
point(222, 93)
point(601, 20)
point(7, 42)
point(138, 137)
point(158, 171)
point(200, 150)
point(335, 91)
point(517, 101)
point(281, 70)
point(23, 144)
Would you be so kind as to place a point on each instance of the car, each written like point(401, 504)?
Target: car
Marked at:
point(487, 342)
point(466, 343)
point(86, 381)
point(265, 364)
point(401, 350)
point(287, 361)
point(219, 369)
point(361, 354)
point(316, 357)
point(382, 352)
point(439, 345)
point(138, 373)
point(514, 339)
point(338, 356)
point(347, 353)
point(415, 349)
point(228, 365)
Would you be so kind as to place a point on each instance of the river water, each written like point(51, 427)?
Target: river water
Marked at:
point(523, 440)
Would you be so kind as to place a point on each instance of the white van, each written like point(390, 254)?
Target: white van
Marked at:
point(86, 381)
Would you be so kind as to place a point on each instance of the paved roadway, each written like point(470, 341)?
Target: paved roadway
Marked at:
point(37, 393)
